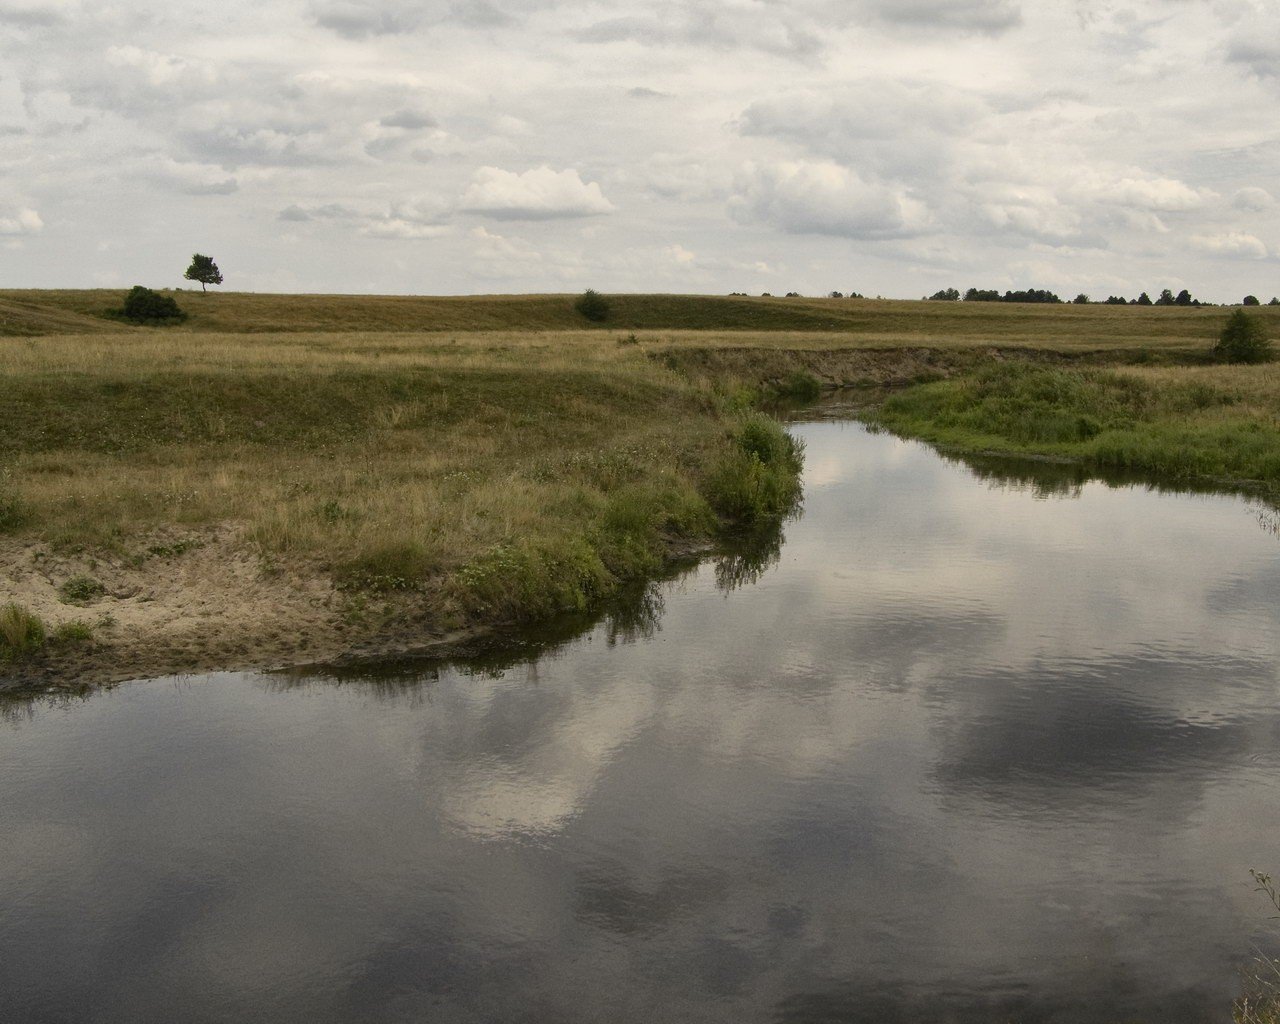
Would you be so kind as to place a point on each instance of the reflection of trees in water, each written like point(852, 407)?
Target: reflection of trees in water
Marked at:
point(749, 560)
point(1042, 479)
point(1045, 479)
point(637, 616)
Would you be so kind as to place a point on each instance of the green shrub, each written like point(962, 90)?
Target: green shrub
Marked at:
point(81, 590)
point(144, 306)
point(21, 631)
point(758, 479)
point(801, 386)
point(592, 305)
point(1243, 340)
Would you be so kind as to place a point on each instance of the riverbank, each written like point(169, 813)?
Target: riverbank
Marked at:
point(171, 504)
point(179, 499)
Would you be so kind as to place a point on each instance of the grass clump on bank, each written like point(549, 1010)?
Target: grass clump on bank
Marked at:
point(758, 479)
point(21, 631)
point(1212, 422)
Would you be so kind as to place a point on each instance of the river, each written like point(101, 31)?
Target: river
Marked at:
point(960, 745)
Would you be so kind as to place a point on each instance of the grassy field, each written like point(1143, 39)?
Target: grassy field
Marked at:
point(871, 321)
point(486, 459)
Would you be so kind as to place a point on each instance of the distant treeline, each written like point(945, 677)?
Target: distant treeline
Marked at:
point(1167, 298)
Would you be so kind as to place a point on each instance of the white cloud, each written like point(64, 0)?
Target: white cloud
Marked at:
point(823, 198)
point(24, 221)
point(1234, 244)
point(537, 194)
point(1163, 194)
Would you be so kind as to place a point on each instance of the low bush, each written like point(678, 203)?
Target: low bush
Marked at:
point(592, 305)
point(21, 631)
point(144, 306)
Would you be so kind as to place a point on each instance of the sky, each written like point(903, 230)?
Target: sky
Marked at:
point(887, 147)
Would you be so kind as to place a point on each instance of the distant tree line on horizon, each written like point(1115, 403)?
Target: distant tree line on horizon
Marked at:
point(1167, 298)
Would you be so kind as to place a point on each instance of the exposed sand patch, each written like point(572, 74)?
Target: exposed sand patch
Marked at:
point(185, 602)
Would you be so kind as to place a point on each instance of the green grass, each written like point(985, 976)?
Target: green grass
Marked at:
point(1219, 423)
point(21, 632)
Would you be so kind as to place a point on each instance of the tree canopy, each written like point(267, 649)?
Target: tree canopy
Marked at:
point(204, 270)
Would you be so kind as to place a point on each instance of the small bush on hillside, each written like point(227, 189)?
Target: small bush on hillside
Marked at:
point(144, 306)
point(81, 590)
point(1243, 340)
point(592, 305)
point(21, 631)
point(1251, 300)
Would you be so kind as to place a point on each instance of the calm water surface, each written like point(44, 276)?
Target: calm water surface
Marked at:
point(961, 750)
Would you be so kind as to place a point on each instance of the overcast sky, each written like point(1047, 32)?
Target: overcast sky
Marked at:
point(890, 147)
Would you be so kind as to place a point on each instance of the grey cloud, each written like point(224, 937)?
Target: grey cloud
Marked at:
point(30, 15)
point(236, 146)
point(364, 19)
point(1253, 200)
point(1260, 56)
point(217, 188)
point(361, 20)
point(708, 27)
point(985, 16)
point(641, 92)
point(410, 119)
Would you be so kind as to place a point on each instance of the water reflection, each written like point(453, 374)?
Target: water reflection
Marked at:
point(951, 751)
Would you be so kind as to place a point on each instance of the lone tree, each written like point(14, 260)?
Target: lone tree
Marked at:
point(204, 270)
point(1243, 340)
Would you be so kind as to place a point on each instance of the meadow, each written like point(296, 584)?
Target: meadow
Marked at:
point(374, 465)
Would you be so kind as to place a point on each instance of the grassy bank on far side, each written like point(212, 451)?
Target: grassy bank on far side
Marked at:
point(1208, 423)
